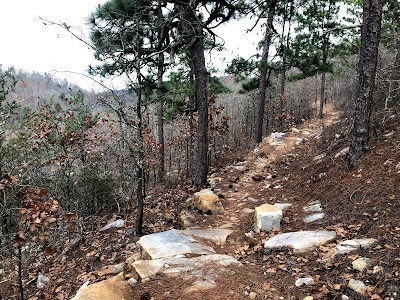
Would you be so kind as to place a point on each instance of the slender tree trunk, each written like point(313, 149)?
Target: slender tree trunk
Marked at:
point(160, 127)
point(370, 33)
point(322, 100)
point(140, 164)
point(263, 71)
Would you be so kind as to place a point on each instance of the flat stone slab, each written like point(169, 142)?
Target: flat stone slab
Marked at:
point(215, 235)
point(314, 217)
point(188, 268)
point(207, 202)
point(267, 217)
point(169, 244)
point(353, 245)
point(300, 241)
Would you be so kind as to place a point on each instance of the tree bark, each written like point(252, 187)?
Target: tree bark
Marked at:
point(192, 31)
point(370, 34)
point(199, 64)
point(263, 71)
point(160, 127)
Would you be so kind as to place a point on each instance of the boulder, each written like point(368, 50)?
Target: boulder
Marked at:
point(215, 235)
point(267, 218)
point(300, 241)
point(170, 243)
point(113, 288)
point(207, 202)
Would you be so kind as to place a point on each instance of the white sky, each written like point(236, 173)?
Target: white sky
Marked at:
point(29, 45)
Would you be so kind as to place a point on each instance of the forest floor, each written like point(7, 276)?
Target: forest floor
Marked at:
point(361, 203)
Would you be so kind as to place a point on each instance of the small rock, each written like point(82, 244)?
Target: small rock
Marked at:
point(131, 231)
point(308, 298)
point(283, 206)
point(361, 264)
point(252, 295)
point(342, 152)
point(304, 281)
point(357, 286)
point(132, 282)
point(314, 217)
point(247, 211)
point(42, 281)
point(314, 206)
point(344, 297)
point(319, 157)
point(377, 269)
point(116, 224)
point(277, 135)
point(267, 217)
point(388, 134)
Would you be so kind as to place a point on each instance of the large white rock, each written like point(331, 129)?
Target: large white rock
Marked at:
point(216, 235)
point(300, 241)
point(188, 268)
point(170, 243)
point(267, 217)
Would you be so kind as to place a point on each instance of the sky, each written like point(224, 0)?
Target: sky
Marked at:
point(30, 45)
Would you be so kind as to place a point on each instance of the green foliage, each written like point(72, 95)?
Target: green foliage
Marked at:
point(318, 35)
point(216, 86)
point(250, 85)
point(241, 67)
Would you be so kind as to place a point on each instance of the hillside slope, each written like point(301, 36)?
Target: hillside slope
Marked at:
point(301, 167)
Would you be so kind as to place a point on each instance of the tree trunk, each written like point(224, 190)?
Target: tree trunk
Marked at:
point(199, 64)
point(370, 33)
point(160, 127)
point(263, 71)
point(322, 100)
point(140, 164)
